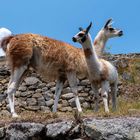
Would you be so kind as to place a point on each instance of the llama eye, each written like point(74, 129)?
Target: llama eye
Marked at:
point(80, 35)
point(111, 29)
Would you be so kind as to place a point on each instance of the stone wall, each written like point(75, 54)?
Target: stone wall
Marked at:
point(37, 95)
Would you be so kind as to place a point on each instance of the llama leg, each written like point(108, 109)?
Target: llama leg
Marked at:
point(96, 92)
point(73, 84)
point(114, 95)
point(104, 92)
point(59, 87)
point(13, 84)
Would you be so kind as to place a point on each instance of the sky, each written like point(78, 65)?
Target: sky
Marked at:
point(60, 19)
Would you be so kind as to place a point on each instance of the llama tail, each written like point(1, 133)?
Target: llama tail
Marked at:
point(5, 37)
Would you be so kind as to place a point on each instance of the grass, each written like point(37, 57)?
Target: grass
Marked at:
point(125, 108)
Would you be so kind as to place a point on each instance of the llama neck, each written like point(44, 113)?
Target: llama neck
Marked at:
point(99, 43)
point(92, 59)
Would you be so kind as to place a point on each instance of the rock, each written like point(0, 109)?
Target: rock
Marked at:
point(33, 87)
point(31, 101)
point(65, 103)
point(2, 132)
point(22, 88)
point(22, 103)
point(39, 90)
point(92, 132)
point(86, 105)
point(56, 129)
point(41, 101)
point(112, 129)
point(37, 95)
point(48, 95)
point(42, 85)
point(67, 96)
point(2, 97)
point(24, 131)
point(45, 109)
point(26, 94)
point(44, 89)
point(84, 82)
point(136, 136)
point(83, 94)
point(51, 84)
point(80, 88)
point(66, 90)
point(31, 81)
point(5, 113)
point(32, 108)
point(53, 89)
point(86, 89)
point(72, 101)
point(4, 81)
point(65, 109)
point(17, 94)
point(50, 103)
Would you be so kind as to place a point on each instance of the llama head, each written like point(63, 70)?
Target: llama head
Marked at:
point(109, 32)
point(82, 36)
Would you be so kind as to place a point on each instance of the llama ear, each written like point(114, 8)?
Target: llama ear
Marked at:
point(81, 29)
point(108, 23)
point(88, 28)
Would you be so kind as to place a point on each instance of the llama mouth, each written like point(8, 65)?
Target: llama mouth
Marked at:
point(120, 33)
point(74, 39)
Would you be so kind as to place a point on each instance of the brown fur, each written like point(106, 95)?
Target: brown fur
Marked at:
point(87, 52)
point(48, 56)
point(105, 73)
point(5, 41)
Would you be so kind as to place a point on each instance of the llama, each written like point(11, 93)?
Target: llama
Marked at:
point(53, 59)
point(102, 73)
point(103, 35)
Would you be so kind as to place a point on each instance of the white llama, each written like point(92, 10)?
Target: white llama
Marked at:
point(101, 72)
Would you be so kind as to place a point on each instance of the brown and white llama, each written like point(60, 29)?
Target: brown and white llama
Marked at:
point(53, 59)
point(101, 72)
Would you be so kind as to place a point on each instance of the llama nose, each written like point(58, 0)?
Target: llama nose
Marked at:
point(74, 39)
point(121, 33)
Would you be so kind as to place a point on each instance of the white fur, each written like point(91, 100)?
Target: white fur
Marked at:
point(4, 33)
point(12, 86)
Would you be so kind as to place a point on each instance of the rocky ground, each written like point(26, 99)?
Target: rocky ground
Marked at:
point(87, 129)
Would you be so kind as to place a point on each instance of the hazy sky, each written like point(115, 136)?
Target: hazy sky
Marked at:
point(60, 19)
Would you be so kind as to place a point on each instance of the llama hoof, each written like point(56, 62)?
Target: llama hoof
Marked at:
point(80, 110)
point(107, 111)
point(14, 115)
